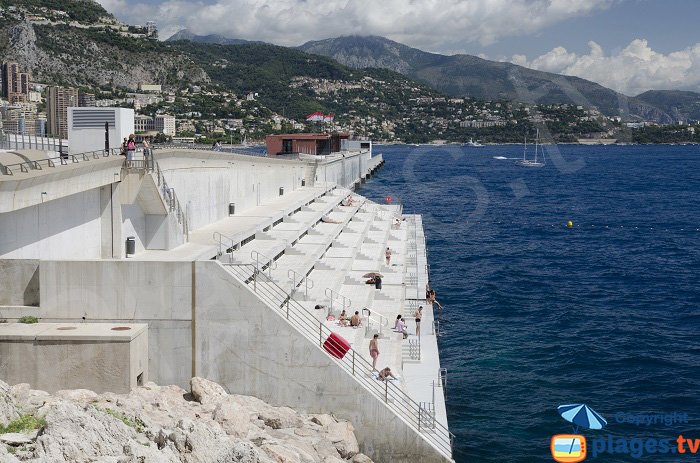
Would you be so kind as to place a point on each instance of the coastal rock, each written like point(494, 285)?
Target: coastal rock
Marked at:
point(206, 392)
point(233, 418)
point(28, 400)
point(8, 411)
point(78, 395)
point(342, 434)
point(361, 458)
point(162, 424)
point(282, 417)
point(6, 457)
point(17, 438)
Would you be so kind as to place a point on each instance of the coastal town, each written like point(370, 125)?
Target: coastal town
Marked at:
point(384, 108)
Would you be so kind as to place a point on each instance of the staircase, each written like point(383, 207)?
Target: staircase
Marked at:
point(417, 416)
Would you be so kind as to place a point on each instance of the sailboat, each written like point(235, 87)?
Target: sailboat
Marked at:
point(525, 162)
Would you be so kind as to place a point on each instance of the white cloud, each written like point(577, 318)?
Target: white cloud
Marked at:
point(633, 70)
point(435, 25)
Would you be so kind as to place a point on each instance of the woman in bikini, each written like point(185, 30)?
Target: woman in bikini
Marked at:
point(374, 350)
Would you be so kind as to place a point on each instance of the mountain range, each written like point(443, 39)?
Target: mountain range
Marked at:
point(464, 75)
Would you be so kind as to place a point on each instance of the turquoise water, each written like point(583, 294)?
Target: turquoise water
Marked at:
point(606, 313)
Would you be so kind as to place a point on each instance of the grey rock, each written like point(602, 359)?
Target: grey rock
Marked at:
point(206, 392)
point(361, 458)
point(233, 418)
point(342, 434)
point(17, 438)
point(8, 411)
point(282, 417)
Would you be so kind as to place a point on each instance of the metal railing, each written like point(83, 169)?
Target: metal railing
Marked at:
point(297, 279)
point(442, 378)
point(22, 141)
point(414, 349)
point(62, 160)
point(381, 322)
point(345, 302)
point(267, 262)
point(352, 362)
point(170, 199)
point(219, 238)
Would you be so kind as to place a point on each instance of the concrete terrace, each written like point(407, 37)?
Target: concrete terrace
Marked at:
point(230, 294)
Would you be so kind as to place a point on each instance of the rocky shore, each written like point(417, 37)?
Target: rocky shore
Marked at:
point(165, 424)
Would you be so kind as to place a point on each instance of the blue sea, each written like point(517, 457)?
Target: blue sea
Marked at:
point(605, 313)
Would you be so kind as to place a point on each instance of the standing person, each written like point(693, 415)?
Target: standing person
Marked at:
point(377, 282)
point(387, 256)
point(124, 143)
point(146, 152)
point(419, 315)
point(374, 351)
point(130, 148)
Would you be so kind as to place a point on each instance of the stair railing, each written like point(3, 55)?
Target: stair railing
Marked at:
point(336, 296)
point(267, 262)
point(306, 323)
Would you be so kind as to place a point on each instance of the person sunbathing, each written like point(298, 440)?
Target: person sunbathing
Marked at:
point(327, 219)
point(385, 374)
point(343, 319)
point(355, 320)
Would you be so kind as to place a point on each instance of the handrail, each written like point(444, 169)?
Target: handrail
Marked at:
point(372, 319)
point(268, 263)
point(308, 282)
point(219, 239)
point(63, 159)
point(352, 362)
point(346, 303)
point(169, 196)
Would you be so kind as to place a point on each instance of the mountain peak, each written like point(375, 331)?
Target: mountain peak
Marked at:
point(186, 34)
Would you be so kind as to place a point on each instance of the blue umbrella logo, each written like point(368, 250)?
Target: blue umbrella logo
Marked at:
point(581, 415)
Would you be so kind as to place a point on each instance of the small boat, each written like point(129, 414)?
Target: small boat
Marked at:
point(525, 162)
point(474, 144)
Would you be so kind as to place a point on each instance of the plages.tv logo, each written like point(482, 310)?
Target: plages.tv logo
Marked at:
point(571, 448)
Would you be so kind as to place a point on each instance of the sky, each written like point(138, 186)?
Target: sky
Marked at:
point(628, 45)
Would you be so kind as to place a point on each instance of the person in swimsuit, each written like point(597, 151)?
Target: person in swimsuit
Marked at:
point(419, 315)
point(385, 374)
point(374, 351)
point(343, 319)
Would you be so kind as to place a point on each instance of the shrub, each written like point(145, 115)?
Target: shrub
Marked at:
point(28, 319)
point(23, 423)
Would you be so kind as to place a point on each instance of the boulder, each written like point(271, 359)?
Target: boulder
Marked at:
point(323, 420)
point(361, 458)
point(205, 391)
point(281, 417)
point(28, 400)
point(78, 395)
point(342, 434)
point(8, 411)
point(6, 457)
point(233, 418)
point(18, 438)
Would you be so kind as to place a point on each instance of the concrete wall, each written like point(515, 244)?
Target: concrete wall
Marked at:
point(66, 228)
point(20, 282)
point(250, 349)
point(345, 171)
point(54, 362)
point(157, 293)
point(205, 183)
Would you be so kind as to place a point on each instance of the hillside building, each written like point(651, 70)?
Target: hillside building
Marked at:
point(58, 100)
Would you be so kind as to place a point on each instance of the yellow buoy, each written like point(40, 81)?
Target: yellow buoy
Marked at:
point(569, 224)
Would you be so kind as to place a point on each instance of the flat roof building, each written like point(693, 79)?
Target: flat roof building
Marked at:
point(305, 143)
